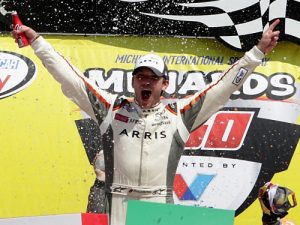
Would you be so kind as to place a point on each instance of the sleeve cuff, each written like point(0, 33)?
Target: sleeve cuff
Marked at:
point(258, 54)
point(255, 55)
point(40, 44)
point(37, 42)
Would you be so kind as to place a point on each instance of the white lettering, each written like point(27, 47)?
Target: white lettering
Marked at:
point(278, 86)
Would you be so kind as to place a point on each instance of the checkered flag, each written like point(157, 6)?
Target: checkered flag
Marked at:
point(238, 24)
point(289, 16)
point(230, 22)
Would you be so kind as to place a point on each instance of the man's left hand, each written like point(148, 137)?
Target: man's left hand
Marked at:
point(269, 38)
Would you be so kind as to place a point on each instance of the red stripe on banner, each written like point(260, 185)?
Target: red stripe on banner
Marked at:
point(94, 219)
point(180, 187)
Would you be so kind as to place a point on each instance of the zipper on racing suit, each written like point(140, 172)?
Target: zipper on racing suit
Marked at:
point(142, 150)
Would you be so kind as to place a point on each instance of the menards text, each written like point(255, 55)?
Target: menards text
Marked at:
point(277, 86)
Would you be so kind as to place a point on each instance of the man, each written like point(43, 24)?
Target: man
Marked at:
point(143, 138)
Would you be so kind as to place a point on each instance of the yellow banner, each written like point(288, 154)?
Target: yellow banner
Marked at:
point(44, 169)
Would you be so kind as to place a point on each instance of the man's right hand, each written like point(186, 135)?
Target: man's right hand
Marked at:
point(29, 33)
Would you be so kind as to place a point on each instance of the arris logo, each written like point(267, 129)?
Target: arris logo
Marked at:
point(193, 191)
point(16, 73)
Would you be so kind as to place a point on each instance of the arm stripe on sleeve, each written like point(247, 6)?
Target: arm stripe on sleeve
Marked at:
point(203, 93)
point(87, 83)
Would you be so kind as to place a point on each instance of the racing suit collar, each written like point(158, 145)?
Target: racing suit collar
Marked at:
point(147, 112)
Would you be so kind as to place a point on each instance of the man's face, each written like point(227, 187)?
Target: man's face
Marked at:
point(148, 87)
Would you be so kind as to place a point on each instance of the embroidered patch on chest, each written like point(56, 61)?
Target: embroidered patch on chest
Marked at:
point(121, 118)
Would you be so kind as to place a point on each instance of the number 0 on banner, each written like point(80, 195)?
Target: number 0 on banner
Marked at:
point(226, 130)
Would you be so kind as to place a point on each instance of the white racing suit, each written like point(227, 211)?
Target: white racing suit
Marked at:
point(142, 147)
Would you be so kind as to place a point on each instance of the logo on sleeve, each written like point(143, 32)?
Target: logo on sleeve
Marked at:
point(240, 75)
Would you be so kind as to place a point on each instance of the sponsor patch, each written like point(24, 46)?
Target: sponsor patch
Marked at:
point(121, 118)
point(240, 75)
point(129, 108)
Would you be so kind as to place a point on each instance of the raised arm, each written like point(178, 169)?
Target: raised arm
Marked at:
point(73, 83)
point(197, 109)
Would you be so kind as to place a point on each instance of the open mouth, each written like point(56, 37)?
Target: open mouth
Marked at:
point(146, 94)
